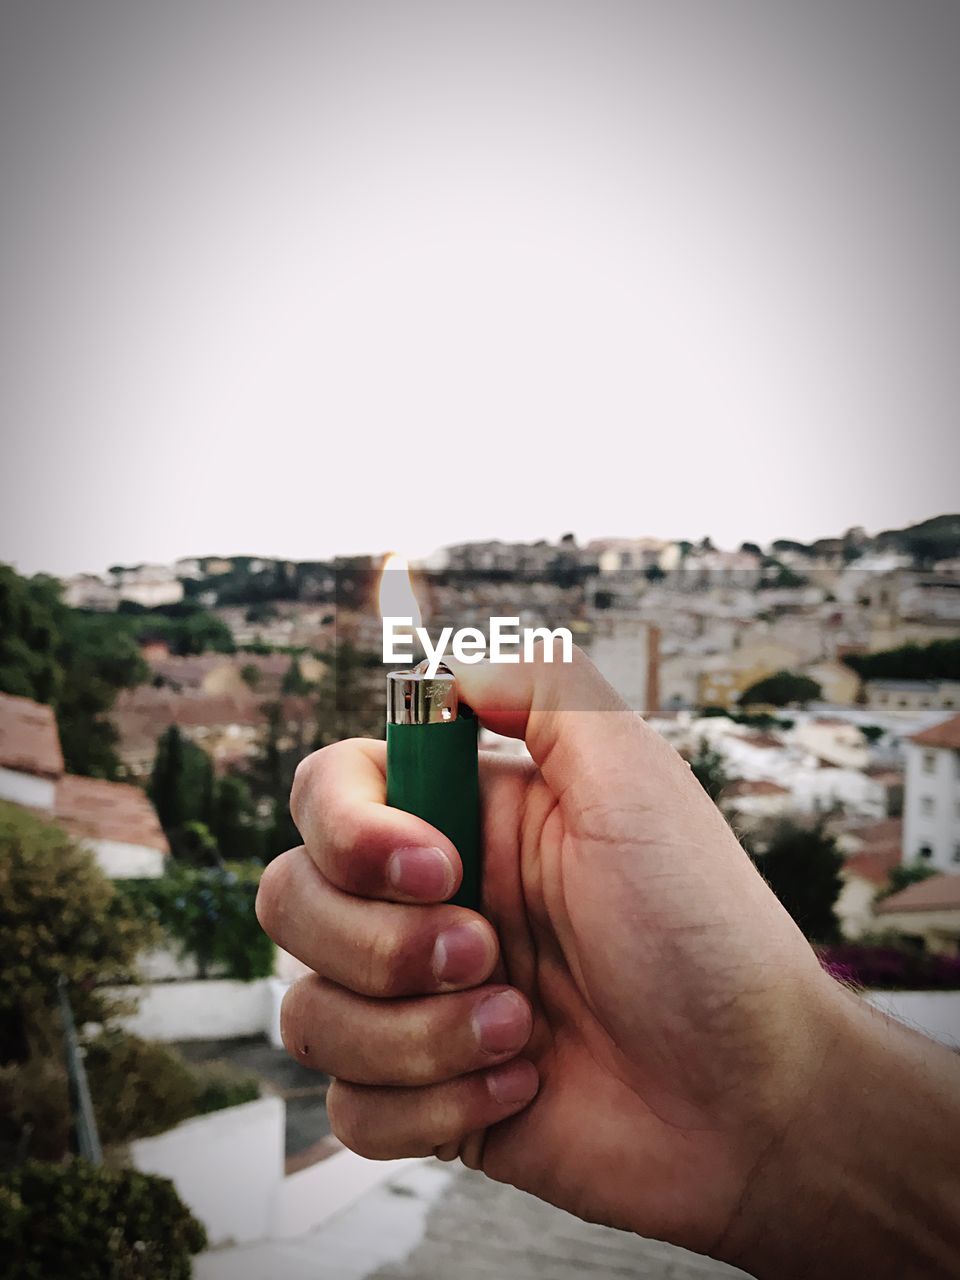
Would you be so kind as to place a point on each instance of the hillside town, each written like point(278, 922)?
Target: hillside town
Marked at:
point(151, 719)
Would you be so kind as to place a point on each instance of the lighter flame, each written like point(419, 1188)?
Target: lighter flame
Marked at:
point(396, 590)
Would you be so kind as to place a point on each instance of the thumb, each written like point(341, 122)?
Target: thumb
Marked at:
point(565, 712)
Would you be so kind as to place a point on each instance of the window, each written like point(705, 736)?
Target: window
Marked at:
point(956, 852)
point(929, 762)
point(927, 806)
point(925, 852)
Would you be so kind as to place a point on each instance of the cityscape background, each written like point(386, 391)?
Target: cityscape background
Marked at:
point(638, 319)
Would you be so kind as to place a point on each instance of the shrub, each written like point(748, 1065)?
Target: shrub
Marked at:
point(141, 1088)
point(59, 915)
point(220, 1085)
point(210, 912)
point(34, 1109)
point(138, 1087)
point(891, 967)
point(92, 1223)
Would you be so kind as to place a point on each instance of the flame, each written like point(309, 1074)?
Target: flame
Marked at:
point(397, 599)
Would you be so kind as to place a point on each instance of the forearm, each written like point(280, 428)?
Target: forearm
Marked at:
point(866, 1180)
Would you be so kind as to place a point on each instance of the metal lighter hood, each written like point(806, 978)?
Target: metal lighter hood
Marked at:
point(415, 697)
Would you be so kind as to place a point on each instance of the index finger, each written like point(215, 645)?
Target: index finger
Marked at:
point(358, 843)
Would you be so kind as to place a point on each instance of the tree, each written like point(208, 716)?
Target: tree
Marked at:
point(234, 824)
point(59, 916)
point(802, 866)
point(71, 660)
point(783, 689)
point(939, 660)
point(709, 769)
point(294, 684)
point(182, 789)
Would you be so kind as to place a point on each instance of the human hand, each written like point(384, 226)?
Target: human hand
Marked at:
point(671, 1021)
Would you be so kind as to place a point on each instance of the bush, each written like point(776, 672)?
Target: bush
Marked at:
point(59, 915)
point(210, 912)
point(34, 1110)
point(891, 967)
point(138, 1087)
point(91, 1223)
point(219, 1085)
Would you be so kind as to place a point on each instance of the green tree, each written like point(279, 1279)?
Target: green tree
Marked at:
point(182, 789)
point(294, 684)
point(709, 769)
point(235, 825)
point(73, 661)
point(59, 916)
point(783, 689)
point(802, 866)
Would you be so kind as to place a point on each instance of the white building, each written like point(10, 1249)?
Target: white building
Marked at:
point(150, 585)
point(912, 697)
point(931, 805)
point(114, 820)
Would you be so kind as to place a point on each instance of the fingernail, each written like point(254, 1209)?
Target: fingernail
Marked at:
point(461, 954)
point(501, 1022)
point(513, 1083)
point(421, 873)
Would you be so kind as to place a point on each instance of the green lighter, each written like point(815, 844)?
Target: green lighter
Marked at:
point(432, 764)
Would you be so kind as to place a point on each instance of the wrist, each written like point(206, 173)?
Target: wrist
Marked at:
point(863, 1179)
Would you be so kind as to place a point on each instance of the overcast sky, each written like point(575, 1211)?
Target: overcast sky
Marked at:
point(314, 278)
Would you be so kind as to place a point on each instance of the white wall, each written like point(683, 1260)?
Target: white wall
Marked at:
point(27, 789)
point(122, 861)
point(935, 1013)
point(940, 830)
point(215, 1009)
point(227, 1167)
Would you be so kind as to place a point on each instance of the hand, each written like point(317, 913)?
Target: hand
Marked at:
point(671, 1022)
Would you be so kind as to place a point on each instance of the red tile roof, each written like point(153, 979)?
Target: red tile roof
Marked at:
point(92, 809)
point(29, 742)
point(945, 734)
point(938, 893)
point(874, 865)
point(756, 787)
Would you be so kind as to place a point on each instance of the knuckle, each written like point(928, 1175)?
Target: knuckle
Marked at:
point(271, 894)
point(346, 1115)
point(294, 1017)
point(383, 964)
point(302, 779)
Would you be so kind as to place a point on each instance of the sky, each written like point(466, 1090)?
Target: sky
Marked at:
point(303, 279)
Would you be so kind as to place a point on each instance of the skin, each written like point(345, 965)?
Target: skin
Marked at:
point(636, 1031)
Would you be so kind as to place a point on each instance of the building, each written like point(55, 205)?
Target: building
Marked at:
point(752, 801)
point(115, 821)
point(912, 697)
point(931, 803)
point(726, 676)
point(149, 585)
point(31, 761)
point(840, 684)
point(872, 852)
point(928, 909)
point(626, 651)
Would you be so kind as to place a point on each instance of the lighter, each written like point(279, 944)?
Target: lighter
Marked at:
point(432, 764)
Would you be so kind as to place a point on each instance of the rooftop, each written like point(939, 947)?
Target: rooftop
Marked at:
point(29, 742)
point(945, 734)
point(754, 787)
point(92, 809)
point(938, 893)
